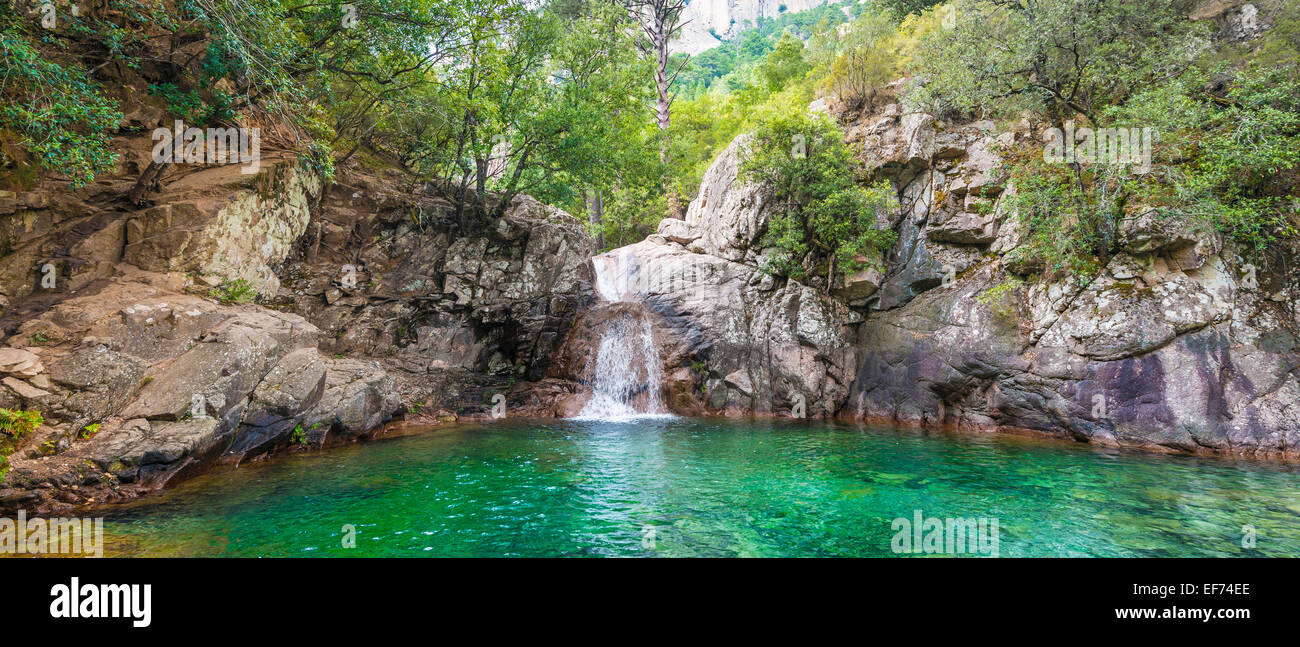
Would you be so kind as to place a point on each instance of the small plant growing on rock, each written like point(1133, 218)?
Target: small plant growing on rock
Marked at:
point(299, 436)
point(18, 423)
point(89, 430)
point(233, 291)
point(1002, 299)
point(823, 222)
point(14, 424)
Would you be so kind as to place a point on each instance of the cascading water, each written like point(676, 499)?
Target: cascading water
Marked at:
point(627, 371)
point(615, 273)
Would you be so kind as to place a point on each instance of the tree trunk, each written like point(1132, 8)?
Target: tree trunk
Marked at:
point(659, 38)
point(659, 21)
point(596, 214)
point(150, 180)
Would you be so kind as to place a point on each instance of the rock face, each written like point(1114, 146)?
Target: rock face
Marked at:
point(1177, 343)
point(1171, 345)
point(732, 338)
point(386, 273)
point(236, 232)
point(708, 22)
point(375, 300)
point(173, 381)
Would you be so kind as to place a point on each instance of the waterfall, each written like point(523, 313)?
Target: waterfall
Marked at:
point(627, 370)
point(614, 275)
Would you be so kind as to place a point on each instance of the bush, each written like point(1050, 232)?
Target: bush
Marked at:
point(14, 424)
point(822, 217)
point(1230, 164)
point(51, 116)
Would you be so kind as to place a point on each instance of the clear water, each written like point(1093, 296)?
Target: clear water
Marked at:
point(711, 488)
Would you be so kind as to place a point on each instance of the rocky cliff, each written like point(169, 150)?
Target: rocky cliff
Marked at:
point(706, 23)
point(133, 330)
point(1174, 344)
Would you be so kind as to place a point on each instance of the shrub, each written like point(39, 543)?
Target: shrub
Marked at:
point(822, 217)
point(51, 116)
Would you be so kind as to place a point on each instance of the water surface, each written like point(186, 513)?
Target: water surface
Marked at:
point(691, 487)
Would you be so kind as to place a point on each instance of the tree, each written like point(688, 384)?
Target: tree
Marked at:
point(866, 58)
point(660, 22)
point(785, 63)
point(1059, 56)
point(53, 117)
point(540, 101)
point(330, 72)
point(822, 218)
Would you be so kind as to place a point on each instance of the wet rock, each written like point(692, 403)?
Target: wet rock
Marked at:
point(357, 397)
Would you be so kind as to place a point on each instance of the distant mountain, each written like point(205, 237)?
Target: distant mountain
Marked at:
point(712, 21)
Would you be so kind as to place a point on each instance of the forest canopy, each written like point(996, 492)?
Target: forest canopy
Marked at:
point(558, 99)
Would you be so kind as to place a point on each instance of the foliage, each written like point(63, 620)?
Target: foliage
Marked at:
point(1003, 298)
point(1060, 57)
point(822, 216)
point(1227, 163)
point(18, 423)
point(904, 7)
point(865, 57)
point(539, 102)
point(730, 65)
point(52, 117)
point(784, 64)
point(233, 291)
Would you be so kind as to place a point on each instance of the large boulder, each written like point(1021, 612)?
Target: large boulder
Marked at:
point(239, 232)
point(728, 214)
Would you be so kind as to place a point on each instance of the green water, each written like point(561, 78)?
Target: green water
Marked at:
point(689, 487)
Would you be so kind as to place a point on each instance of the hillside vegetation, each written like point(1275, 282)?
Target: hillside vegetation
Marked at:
point(553, 99)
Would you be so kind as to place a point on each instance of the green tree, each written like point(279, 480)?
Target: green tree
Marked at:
point(824, 223)
point(53, 117)
point(1058, 56)
point(785, 63)
point(864, 58)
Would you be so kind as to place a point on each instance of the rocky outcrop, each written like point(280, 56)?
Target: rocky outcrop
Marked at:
point(732, 337)
point(147, 381)
point(706, 23)
point(1175, 343)
point(386, 273)
point(373, 299)
point(220, 225)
